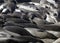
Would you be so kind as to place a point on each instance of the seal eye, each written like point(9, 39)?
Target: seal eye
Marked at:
point(46, 7)
point(48, 13)
point(55, 14)
point(56, 0)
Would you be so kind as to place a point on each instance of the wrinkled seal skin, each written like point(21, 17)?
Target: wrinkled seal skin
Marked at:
point(47, 13)
point(57, 41)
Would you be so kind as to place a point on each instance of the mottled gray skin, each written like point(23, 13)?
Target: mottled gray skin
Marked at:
point(48, 40)
point(57, 41)
point(11, 5)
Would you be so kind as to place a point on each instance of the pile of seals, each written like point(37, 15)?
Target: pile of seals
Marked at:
point(17, 16)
